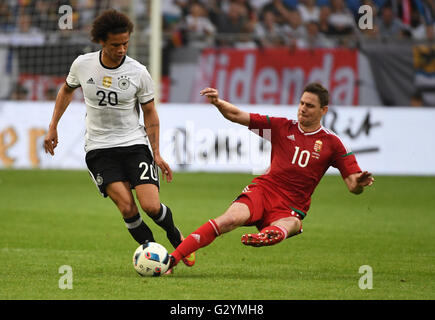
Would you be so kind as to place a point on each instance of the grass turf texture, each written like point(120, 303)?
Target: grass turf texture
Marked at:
point(55, 218)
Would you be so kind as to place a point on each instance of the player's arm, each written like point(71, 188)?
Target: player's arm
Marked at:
point(228, 110)
point(63, 99)
point(357, 181)
point(152, 125)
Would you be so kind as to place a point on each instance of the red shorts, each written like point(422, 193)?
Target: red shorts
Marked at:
point(265, 206)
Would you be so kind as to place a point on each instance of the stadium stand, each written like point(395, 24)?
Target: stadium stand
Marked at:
point(35, 53)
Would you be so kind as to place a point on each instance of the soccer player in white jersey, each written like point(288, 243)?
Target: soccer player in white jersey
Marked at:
point(120, 153)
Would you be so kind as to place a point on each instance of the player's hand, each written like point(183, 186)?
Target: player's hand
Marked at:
point(211, 94)
point(365, 179)
point(50, 141)
point(166, 170)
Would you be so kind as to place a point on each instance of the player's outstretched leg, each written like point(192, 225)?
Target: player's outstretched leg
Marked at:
point(266, 237)
point(278, 231)
point(236, 215)
point(201, 237)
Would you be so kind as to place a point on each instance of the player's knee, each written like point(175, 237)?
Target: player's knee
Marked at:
point(151, 209)
point(228, 223)
point(128, 209)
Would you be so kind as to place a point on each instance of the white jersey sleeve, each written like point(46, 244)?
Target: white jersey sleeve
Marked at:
point(146, 87)
point(72, 79)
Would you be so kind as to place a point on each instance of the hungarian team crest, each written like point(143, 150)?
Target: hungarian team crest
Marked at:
point(318, 146)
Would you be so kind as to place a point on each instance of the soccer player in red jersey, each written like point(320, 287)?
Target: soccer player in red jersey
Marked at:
point(277, 201)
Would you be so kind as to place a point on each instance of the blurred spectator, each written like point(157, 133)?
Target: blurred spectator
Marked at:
point(293, 29)
point(250, 13)
point(259, 4)
point(340, 20)
point(87, 13)
point(353, 6)
point(268, 33)
point(7, 21)
point(173, 11)
point(418, 28)
point(199, 26)
point(314, 38)
point(26, 34)
point(324, 25)
point(20, 92)
point(45, 15)
point(309, 10)
point(245, 40)
point(426, 9)
point(280, 10)
point(389, 25)
point(183, 5)
point(231, 24)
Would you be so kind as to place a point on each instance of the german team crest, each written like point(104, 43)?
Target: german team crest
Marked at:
point(123, 82)
point(107, 82)
point(99, 179)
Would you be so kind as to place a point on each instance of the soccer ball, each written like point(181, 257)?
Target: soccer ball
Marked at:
point(151, 259)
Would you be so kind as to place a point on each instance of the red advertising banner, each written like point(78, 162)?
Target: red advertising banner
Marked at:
point(277, 76)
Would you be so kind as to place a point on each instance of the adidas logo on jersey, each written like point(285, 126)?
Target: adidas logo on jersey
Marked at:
point(90, 81)
point(291, 137)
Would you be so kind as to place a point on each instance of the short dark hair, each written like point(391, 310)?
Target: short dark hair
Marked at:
point(110, 21)
point(320, 91)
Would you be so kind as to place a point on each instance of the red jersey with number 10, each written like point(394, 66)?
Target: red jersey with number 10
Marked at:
point(300, 159)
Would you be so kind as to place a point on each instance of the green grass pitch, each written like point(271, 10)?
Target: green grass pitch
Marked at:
point(55, 218)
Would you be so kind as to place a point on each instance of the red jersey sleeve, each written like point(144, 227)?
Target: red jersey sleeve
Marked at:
point(344, 160)
point(264, 125)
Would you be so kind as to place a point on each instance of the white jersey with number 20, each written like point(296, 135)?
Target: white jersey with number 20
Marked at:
point(112, 97)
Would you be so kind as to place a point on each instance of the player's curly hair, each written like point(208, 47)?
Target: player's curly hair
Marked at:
point(110, 21)
point(320, 91)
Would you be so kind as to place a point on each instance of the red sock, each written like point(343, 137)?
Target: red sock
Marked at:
point(202, 237)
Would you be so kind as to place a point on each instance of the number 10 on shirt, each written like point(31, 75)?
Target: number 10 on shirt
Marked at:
point(302, 158)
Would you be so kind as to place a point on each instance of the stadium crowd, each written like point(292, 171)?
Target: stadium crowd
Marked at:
point(30, 28)
point(304, 23)
point(237, 23)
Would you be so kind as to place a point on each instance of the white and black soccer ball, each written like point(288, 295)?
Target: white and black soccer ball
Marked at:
point(151, 259)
